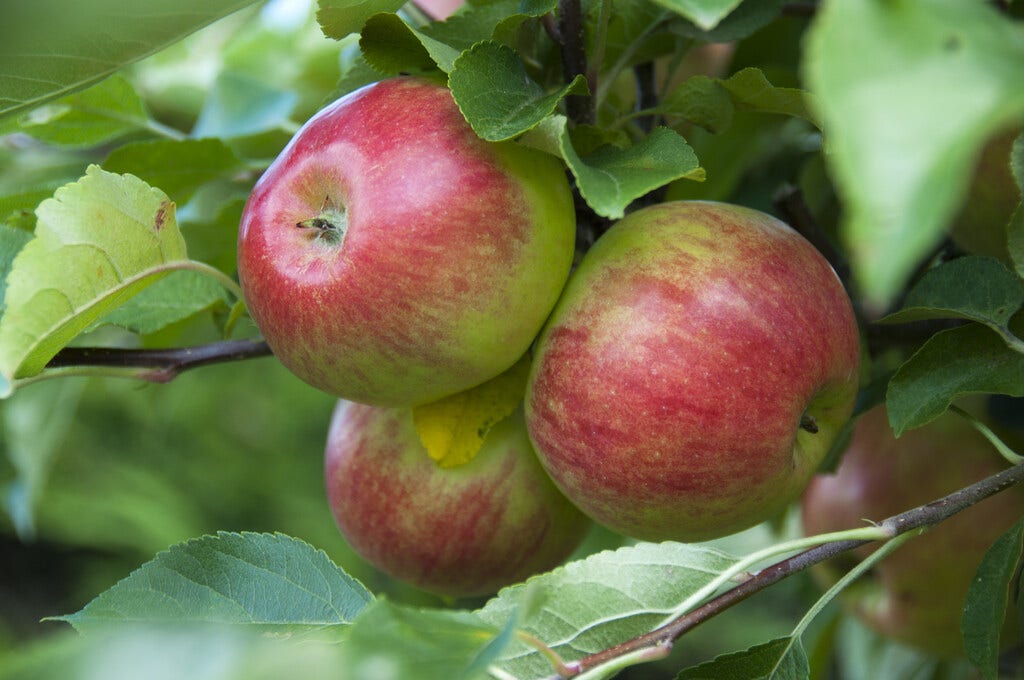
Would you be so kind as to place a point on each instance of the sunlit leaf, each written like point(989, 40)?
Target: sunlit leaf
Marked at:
point(97, 242)
point(269, 580)
point(587, 606)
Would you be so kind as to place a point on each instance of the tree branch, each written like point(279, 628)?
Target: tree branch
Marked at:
point(574, 58)
point(918, 518)
point(160, 365)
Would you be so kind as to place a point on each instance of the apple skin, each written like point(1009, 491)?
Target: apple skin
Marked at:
point(915, 595)
point(668, 387)
point(427, 259)
point(980, 228)
point(466, 530)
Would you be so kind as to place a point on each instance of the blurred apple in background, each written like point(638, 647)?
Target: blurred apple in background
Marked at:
point(915, 595)
point(980, 227)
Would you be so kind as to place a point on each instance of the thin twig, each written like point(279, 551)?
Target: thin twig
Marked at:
point(160, 365)
point(918, 518)
point(574, 58)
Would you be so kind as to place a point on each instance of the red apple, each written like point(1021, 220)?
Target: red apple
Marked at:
point(915, 595)
point(696, 370)
point(392, 257)
point(466, 530)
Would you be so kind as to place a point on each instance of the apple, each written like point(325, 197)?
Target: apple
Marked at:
point(915, 595)
point(696, 370)
point(466, 530)
point(392, 257)
point(980, 228)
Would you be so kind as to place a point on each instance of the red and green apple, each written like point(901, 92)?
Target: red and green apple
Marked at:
point(465, 530)
point(698, 367)
point(390, 256)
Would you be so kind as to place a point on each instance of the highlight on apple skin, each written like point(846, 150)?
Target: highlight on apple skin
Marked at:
point(915, 595)
point(466, 530)
point(390, 256)
point(698, 367)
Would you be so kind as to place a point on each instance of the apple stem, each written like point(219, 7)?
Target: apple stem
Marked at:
point(330, 225)
point(807, 422)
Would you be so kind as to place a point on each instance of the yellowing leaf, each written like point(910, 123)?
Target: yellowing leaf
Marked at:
point(98, 242)
point(453, 429)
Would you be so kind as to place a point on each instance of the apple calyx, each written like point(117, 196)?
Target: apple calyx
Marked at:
point(808, 423)
point(330, 225)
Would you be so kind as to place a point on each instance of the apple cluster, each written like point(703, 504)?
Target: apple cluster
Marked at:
point(686, 379)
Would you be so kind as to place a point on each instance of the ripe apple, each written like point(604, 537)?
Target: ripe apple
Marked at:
point(466, 530)
point(915, 595)
point(390, 256)
point(696, 370)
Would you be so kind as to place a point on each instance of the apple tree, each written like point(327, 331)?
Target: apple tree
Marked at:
point(512, 339)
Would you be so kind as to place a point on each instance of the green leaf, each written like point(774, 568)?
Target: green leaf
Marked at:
point(976, 288)
point(173, 298)
point(339, 18)
point(587, 606)
point(882, 73)
point(97, 242)
point(270, 580)
point(174, 653)
point(35, 423)
point(611, 178)
point(176, 167)
point(751, 91)
point(474, 23)
point(1016, 227)
point(497, 96)
point(705, 13)
point(985, 607)
point(51, 48)
point(780, 659)
point(104, 112)
point(392, 642)
point(711, 102)
point(239, 105)
point(12, 240)
point(392, 46)
point(966, 360)
point(745, 20)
